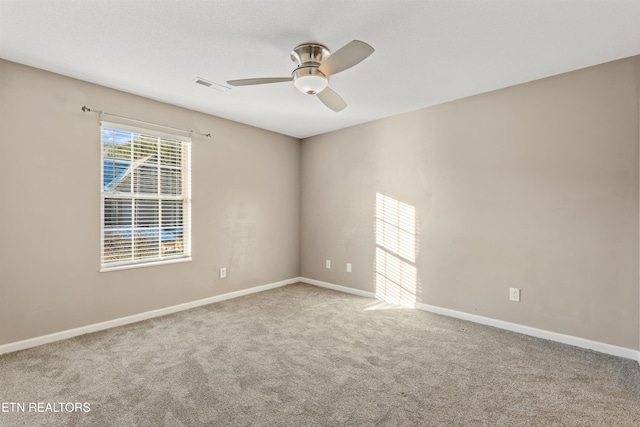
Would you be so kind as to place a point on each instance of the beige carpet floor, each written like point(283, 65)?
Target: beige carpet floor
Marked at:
point(307, 356)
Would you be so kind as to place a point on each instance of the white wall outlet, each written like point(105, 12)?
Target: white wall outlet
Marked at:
point(514, 294)
point(348, 267)
point(328, 263)
point(223, 272)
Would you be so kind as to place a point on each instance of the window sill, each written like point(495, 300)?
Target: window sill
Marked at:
point(144, 264)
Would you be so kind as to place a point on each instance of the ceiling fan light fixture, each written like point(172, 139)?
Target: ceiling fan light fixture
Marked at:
point(309, 80)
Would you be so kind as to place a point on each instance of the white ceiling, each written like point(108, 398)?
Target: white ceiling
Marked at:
point(427, 52)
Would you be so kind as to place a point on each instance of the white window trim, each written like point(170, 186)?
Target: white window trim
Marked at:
point(135, 264)
point(186, 214)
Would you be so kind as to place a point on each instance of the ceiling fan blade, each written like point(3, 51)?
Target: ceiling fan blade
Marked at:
point(259, 81)
point(346, 57)
point(332, 100)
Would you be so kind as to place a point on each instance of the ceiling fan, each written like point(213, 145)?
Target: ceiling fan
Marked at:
point(315, 64)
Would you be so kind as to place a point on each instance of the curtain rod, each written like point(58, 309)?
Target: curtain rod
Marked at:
point(91, 110)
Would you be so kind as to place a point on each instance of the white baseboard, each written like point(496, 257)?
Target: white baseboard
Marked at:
point(626, 353)
point(339, 288)
point(613, 350)
point(57, 336)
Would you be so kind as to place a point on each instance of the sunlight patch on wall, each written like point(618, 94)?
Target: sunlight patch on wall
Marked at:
point(396, 276)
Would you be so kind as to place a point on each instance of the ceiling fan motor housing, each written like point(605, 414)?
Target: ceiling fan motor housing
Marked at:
point(309, 54)
point(307, 78)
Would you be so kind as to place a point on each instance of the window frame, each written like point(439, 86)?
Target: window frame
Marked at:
point(185, 255)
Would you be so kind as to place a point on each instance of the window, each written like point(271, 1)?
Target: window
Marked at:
point(146, 197)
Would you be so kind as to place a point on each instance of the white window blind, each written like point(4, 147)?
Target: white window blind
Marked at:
point(146, 197)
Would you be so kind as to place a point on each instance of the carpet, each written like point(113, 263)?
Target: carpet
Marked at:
point(301, 355)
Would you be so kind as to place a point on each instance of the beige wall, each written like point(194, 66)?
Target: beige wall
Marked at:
point(245, 208)
point(533, 187)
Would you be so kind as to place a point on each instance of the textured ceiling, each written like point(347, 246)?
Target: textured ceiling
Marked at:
point(427, 52)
